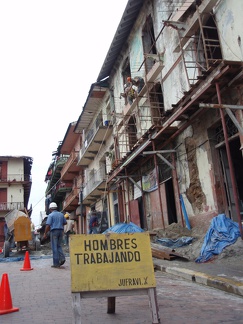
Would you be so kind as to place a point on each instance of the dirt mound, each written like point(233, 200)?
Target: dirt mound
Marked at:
point(175, 231)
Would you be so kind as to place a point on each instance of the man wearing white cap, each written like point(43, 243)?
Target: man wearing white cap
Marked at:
point(55, 224)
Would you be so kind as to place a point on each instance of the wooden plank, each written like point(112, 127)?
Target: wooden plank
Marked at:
point(162, 255)
point(165, 253)
point(111, 305)
point(154, 305)
point(76, 306)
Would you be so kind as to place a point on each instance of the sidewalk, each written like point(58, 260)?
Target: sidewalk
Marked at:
point(225, 275)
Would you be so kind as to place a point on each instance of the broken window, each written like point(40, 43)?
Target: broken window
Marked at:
point(131, 132)
point(126, 72)
point(208, 48)
point(149, 43)
point(156, 104)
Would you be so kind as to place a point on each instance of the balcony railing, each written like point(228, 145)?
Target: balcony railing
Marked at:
point(72, 158)
point(68, 200)
point(98, 177)
point(61, 186)
point(89, 136)
point(11, 206)
point(15, 177)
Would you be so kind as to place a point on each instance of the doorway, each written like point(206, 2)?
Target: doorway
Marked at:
point(237, 161)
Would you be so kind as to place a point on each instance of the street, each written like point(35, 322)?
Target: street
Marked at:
point(43, 296)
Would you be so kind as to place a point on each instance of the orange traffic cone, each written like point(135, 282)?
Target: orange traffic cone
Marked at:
point(26, 266)
point(5, 297)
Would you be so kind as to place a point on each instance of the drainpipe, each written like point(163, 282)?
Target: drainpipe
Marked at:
point(157, 178)
point(231, 168)
point(128, 198)
point(145, 221)
point(239, 115)
point(176, 189)
point(109, 207)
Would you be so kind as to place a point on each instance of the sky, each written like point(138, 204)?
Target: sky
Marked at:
point(51, 53)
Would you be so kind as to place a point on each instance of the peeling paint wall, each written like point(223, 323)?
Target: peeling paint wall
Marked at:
point(194, 167)
point(15, 193)
point(229, 22)
point(195, 157)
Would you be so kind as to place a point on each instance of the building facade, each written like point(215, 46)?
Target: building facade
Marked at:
point(172, 152)
point(15, 186)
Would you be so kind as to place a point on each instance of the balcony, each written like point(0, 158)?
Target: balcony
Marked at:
point(59, 190)
point(71, 200)
point(55, 171)
point(15, 178)
point(94, 187)
point(95, 137)
point(6, 206)
point(70, 168)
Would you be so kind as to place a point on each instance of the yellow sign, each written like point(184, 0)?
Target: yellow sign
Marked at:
point(111, 262)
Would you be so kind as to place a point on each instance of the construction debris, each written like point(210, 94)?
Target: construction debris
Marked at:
point(165, 253)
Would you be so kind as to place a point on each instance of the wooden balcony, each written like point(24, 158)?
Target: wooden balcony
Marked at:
point(70, 168)
point(72, 198)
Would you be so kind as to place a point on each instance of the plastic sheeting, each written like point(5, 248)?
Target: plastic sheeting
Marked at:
point(182, 241)
point(21, 258)
point(124, 228)
point(221, 233)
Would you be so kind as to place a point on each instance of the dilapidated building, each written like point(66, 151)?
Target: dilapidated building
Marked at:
point(172, 153)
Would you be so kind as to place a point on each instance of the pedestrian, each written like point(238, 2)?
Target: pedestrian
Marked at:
point(68, 229)
point(55, 224)
point(6, 231)
point(93, 222)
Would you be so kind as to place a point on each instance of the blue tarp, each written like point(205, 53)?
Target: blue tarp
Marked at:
point(221, 233)
point(184, 240)
point(21, 258)
point(124, 228)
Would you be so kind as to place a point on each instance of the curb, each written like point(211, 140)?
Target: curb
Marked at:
point(225, 284)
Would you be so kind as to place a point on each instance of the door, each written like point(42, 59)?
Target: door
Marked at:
point(236, 156)
point(135, 216)
point(3, 199)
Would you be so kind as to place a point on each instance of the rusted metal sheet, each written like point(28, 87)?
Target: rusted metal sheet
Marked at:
point(165, 254)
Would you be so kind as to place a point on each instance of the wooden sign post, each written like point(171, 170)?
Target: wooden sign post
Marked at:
point(112, 265)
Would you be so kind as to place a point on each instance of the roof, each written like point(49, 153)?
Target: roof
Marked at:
point(98, 89)
point(124, 28)
point(95, 96)
point(69, 139)
point(27, 159)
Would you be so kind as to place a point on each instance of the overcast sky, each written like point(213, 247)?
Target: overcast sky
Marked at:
point(51, 52)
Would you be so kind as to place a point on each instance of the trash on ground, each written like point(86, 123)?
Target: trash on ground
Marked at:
point(164, 253)
point(182, 241)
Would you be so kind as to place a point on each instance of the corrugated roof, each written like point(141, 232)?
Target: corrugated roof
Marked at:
point(124, 28)
point(92, 104)
point(98, 88)
point(69, 140)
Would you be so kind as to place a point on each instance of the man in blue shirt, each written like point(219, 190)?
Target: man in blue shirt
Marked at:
point(55, 224)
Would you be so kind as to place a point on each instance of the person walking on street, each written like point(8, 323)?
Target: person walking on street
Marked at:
point(55, 224)
point(93, 222)
point(68, 229)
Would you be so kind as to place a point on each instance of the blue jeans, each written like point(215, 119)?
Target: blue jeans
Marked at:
point(56, 246)
point(93, 230)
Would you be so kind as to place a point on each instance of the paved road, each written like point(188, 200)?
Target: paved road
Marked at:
point(43, 296)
